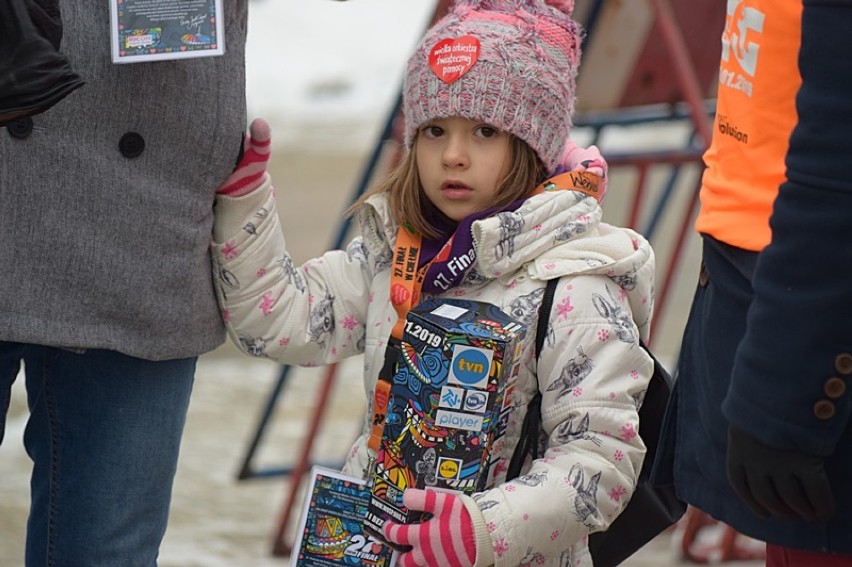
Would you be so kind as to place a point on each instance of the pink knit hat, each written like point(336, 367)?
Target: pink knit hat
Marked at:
point(510, 63)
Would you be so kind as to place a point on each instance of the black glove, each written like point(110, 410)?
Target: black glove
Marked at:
point(778, 482)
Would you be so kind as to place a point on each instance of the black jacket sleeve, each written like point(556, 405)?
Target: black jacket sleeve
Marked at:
point(784, 388)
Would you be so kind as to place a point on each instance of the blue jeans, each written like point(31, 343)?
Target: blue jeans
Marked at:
point(103, 433)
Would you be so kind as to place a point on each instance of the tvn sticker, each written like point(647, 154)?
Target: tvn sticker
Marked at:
point(470, 366)
point(475, 401)
point(457, 420)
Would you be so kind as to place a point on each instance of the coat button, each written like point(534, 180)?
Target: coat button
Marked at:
point(834, 388)
point(824, 409)
point(20, 128)
point(703, 278)
point(131, 145)
point(843, 363)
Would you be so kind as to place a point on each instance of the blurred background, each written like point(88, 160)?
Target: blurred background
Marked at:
point(326, 76)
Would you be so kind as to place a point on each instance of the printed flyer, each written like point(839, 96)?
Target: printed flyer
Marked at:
point(151, 30)
point(332, 527)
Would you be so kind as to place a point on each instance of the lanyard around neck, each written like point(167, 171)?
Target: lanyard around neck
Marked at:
point(406, 282)
point(406, 278)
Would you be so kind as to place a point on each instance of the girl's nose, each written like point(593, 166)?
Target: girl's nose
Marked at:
point(455, 153)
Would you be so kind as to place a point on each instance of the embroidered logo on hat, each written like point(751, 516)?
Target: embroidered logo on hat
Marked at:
point(452, 58)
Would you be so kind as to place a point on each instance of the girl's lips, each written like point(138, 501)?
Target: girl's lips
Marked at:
point(455, 190)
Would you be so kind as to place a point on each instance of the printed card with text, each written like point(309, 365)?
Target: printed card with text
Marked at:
point(331, 530)
point(151, 30)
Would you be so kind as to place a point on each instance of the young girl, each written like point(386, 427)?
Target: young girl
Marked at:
point(488, 100)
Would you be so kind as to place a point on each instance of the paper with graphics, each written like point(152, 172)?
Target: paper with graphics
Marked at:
point(151, 30)
point(331, 531)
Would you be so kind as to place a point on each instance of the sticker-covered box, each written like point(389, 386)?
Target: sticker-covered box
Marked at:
point(448, 403)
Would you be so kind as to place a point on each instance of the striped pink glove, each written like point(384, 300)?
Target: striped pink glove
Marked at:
point(446, 539)
point(248, 175)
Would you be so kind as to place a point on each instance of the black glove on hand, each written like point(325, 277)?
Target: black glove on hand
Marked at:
point(778, 482)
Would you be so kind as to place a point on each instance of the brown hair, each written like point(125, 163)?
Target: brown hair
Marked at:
point(408, 202)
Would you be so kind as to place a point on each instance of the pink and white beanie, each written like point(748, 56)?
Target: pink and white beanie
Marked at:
point(510, 63)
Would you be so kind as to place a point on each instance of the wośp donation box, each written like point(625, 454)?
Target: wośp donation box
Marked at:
point(448, 409)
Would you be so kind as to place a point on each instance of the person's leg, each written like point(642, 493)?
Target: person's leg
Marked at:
point(10, 364)
point(777, 556)
point(104, 434)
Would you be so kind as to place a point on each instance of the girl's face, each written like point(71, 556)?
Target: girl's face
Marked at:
point(460, 163)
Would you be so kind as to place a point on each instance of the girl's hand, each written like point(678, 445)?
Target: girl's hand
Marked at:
point(248, 175)
point(446, 538)
point(575, 158)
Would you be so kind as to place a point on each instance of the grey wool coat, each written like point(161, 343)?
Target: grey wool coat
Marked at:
point(106, 199)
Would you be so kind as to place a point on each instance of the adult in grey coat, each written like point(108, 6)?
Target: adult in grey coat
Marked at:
point(105, 284)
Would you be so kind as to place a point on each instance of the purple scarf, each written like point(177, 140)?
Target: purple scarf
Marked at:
point(447, 270)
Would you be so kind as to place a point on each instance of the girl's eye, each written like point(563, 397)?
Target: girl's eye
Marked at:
point(432, 131)
point(487, 131)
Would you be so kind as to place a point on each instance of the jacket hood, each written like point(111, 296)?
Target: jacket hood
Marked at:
point(553, 234)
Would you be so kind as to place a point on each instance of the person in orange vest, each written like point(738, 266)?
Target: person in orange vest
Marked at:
point(761, 407)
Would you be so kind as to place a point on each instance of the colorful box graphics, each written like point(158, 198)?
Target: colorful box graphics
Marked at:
point(448, 407)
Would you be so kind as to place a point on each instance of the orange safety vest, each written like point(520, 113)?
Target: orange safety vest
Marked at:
point(755, 114)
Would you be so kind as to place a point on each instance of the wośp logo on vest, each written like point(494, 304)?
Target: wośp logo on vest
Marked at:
point(739, 47)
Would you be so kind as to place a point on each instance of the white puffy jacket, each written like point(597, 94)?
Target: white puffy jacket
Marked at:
point(592, 371)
